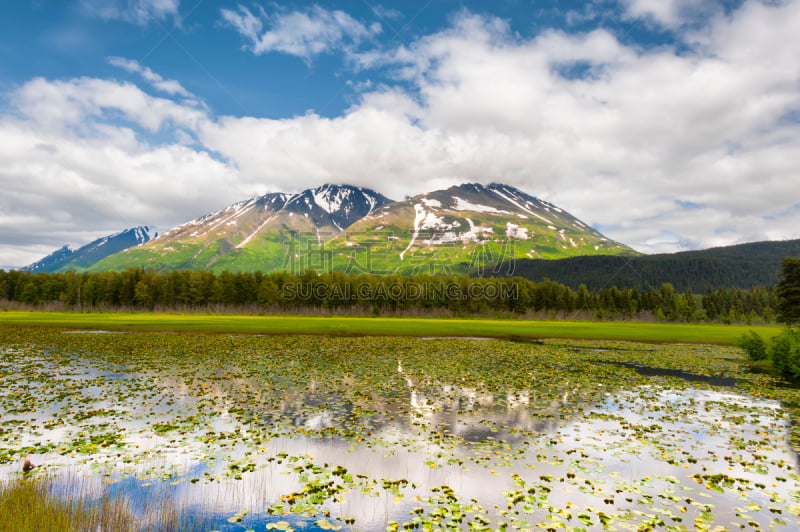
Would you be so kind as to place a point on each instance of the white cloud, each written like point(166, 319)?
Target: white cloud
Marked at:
point(301, 33)
point(669, 13)
point(621, 146)
point(168, 86)
point(84, 103)
point(75, 168)
point(387, 13)
point(140, 12)
point(662, 150)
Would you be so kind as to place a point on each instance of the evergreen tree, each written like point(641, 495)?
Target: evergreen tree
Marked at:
point(789, 292)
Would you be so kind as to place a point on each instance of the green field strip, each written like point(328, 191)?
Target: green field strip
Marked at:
point(395, 326)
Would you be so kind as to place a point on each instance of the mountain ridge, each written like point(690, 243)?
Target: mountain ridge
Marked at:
point(327, 227)
point(251, 234)
point(65, 258)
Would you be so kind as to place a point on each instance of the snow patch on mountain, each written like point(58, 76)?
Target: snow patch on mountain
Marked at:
point(475, 232)
point(512, 196)
point(329, 200)
point(372, 200)
point(511, 200)
point(419, 215)
point(249, 237)
point(432, 222)
point(142, 234)
point(464, 205)
point(429, 202)
point(515, 231)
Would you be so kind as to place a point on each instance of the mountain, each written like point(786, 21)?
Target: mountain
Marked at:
point(253, 234)
point(742, 266)
point(65, 258)
point(355, 229)
point(467, 226)
point(51, 262)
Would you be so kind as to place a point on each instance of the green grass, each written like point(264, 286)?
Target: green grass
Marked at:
point(37, 504)
point(355, 326)
point(28, 505)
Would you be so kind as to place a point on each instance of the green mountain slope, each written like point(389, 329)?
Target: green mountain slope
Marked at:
point(197, 244)
point(253, 234)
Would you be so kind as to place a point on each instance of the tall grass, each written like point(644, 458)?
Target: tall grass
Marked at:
point(48, 504)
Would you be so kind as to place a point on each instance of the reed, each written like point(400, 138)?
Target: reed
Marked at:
point(45, 504)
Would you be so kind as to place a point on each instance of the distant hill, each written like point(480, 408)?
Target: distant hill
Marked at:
point(742, 266)
point(65, 258)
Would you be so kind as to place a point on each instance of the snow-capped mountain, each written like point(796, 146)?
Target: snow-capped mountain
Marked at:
point(65, 258)
point(356, 229)
point(242, 219)
point(342, 227)
point(473, 225)
point(337, 206)
point(53, 260)
point(252, 234)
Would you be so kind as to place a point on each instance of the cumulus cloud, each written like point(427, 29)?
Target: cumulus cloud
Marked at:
point(88, 104)
point(659, 149)
point(624, 138)
point(75, 166)
point(300, 33)
point(140, 12)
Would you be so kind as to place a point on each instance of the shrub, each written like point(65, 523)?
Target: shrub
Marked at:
point(785, 353)
point(754, 346)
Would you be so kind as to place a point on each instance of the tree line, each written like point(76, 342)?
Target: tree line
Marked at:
point(140, 289)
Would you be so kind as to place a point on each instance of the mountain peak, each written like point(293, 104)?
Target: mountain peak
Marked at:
point(471, 220)
point(141, 234)
point(44, 264)
point(337, 206)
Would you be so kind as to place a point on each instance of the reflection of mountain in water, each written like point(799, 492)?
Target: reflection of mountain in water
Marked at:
point(476, 415)
point(471, 414)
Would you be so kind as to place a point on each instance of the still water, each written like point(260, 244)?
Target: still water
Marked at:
point(365, 434)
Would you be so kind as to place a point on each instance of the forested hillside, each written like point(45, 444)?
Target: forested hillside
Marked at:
point(741, 266)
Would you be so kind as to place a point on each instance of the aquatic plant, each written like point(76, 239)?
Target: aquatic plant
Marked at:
point(347, 433)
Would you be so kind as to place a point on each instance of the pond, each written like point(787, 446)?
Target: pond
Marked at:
point(318, 433)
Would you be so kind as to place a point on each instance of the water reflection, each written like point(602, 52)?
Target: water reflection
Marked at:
point(649, 371)
point(217, 440)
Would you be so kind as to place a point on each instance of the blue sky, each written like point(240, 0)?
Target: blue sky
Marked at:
point(667, 124)
point(194, 44)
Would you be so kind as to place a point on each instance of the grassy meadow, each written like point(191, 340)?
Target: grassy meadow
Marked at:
point(392, 326)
